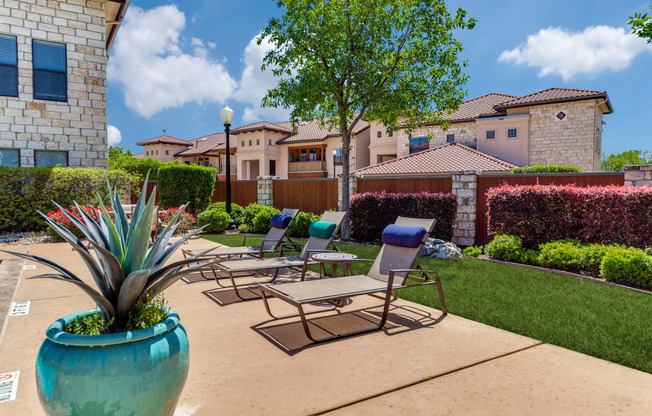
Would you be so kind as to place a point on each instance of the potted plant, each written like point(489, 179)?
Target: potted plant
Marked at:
point(126, 369)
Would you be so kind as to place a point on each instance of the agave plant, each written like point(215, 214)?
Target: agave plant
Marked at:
point(125, 268)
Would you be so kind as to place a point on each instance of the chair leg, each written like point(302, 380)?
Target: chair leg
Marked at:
point(441, 294)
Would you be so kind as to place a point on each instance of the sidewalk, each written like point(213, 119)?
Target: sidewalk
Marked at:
point(243, 363)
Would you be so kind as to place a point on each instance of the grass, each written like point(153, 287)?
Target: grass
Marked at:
point(599, 320)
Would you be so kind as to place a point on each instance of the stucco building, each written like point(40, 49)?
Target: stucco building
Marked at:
point(53, 57)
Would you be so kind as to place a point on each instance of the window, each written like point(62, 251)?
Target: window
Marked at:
point(450, 138)
point(257, 142)
point(50, 158)
point(491, 134)
point(167, 152)
point(418, 144)
point(50, 79)
point(249, 142)
point(8, 66)
point(157, 153)
point(147, 153)
point(379, 135)
point(242, 143)
point(10, 158)
point(337, 158)
point(270, 142)
point(512, 133)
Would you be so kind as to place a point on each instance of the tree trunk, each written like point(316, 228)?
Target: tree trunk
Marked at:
point(346, 198)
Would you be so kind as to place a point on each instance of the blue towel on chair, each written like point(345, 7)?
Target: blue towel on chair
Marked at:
point(403, 235)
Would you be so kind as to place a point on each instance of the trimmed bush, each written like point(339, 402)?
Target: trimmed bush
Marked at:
point(237, 212)
point(216, 221)
point(138, 167)
point(262, 219)
point(371, 212)
point(25, 191)
point(506, 248)
point(627, 265)
point(299, 227)
point(547, 169)
point(561, 255)
point(600, 214)
point(250, 213)
point(473, 251)
point(180, 184)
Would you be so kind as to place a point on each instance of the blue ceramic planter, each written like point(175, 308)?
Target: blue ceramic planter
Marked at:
point(131, 373)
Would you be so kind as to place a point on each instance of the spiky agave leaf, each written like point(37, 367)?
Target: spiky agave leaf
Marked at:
point(130, 292)
point(112, 267)
point(138, 239)
point(116, 242)
point(169, 278)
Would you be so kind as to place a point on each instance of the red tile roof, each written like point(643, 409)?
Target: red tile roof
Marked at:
point(165, 139)
point(139, 155)
point(553, 95)
point(264, 125)
point(208, 144)
point(311, 132)
point(442, 159)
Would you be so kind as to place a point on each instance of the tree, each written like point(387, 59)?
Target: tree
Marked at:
point(341, 61)
point(641, 25)
point(116, 152)
point(616, 161)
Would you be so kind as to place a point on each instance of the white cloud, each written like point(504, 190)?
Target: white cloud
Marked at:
point(560, 52)
point(254, 84)
point(155, 73)
point(115, 137)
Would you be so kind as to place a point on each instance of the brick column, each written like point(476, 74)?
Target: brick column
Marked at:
point(353, 188)
point(464, 187)
point(638, 175)
point(266, 190)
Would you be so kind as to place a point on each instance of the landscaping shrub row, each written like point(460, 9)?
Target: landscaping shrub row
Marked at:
point(25, 191)
point(546, 169)
point(371, 212)
point(181, 184)
point(601, 214)
point(616, 263)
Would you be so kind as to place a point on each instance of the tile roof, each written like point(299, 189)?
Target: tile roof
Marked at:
point(212, 143)
point(163, 139)
point(553, 95)
point(139, 155)
point(264, 125)
point(311, 132)
point(442, 159)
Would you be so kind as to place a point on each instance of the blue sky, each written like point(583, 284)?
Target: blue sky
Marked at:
point(176, 64)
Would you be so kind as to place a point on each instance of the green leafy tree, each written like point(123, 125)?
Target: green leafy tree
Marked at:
point(641, 25)
point(116, 152)
point(388, 61)
point(615, 162)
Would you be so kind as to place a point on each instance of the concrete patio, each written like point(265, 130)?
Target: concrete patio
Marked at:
point(243, 363)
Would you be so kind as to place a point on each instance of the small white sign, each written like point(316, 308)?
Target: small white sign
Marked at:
point(8, 386)
point(30, 267)
point(19, 308)
point(561, 115)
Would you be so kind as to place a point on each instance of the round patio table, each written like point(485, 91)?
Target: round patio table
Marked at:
point(334, 259)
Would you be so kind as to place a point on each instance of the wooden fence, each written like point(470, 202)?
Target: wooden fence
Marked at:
point(243, 193)
point(406, 185)
point(487, 182)
point(309, 195)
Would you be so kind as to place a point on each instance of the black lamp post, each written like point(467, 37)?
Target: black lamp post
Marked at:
point(227, 118)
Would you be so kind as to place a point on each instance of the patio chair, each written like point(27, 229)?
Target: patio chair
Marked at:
point(321, 237)
point(391, 270)
point(276, 236)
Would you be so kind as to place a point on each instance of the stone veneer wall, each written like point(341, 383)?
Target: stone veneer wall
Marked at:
point(465, 133)
point(640, 175)
point(465, 188)
point(575, 142)
point(266, 190)
point(79, 125)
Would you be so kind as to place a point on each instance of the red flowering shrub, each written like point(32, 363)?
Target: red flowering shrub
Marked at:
point(599, 214)
point(186, 222)
point(60, 218)
point(371, 212)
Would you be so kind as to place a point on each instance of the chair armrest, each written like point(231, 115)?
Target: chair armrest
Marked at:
point(282, 246)
point(410, 270)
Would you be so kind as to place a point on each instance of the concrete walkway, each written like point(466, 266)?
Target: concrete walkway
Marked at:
point(243, 363)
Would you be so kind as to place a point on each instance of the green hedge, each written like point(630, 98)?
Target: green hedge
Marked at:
point(180, 184)
point(547, 169)
point(24, 191)
point(139, 167)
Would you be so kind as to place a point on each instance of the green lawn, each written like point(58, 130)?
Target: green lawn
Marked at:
point(603, 321)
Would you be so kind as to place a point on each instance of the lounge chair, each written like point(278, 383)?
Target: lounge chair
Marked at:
point(389, 272)
point(321, 238)
point(276, 236)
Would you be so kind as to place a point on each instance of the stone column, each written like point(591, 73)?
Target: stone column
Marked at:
point(638, 175)
point(353, 188)
point(266, 190)
point(465, 187)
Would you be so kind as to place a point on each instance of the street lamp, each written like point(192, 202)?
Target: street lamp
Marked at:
point(334, 168)
point(227, 118)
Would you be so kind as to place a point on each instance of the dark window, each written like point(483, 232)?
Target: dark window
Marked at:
point(10, 158)
point(272, 167)
point(50, 78)
point(167, 152)
point(292, 158)
point(50, 158)
point(511, 133)
point(450, 138)
point(337, 158)
point(270, 142)
point(249, 142)
point(8, 66)
point(418, 144)
point(257, 142)
point(491, 134)
point(379, 135)
point(242, 143)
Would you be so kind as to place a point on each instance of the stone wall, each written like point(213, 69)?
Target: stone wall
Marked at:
point(638, 175)
point(77, 126)
point(266, 190)
point(465, 187)
point(575, 141)
point(465, 133)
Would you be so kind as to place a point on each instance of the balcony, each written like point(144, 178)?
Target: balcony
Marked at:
point(312, 166)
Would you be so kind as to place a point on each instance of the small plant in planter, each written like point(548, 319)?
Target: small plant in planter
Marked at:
point(119, 371)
